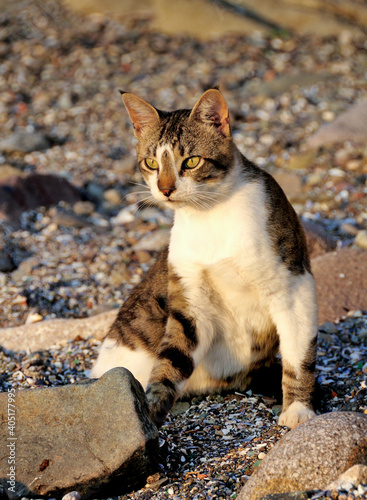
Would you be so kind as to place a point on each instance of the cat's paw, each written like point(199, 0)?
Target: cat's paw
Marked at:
point(160, 398)
point(295, 414)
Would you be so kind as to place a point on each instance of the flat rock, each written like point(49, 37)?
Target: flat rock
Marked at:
point(24, 142)
point(95, 438)
point(348, 126)
point(311, 456)
point(18, 194)
point(341, 282)
point(45, 334)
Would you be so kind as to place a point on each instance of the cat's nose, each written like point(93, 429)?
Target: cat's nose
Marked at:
point(167, 191)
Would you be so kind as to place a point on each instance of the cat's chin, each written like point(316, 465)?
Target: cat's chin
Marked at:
point(175, 204)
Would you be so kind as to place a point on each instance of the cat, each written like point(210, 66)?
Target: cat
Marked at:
point(234, 287)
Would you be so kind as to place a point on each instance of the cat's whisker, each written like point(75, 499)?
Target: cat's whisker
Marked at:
point(138, 184)
point(149, 201)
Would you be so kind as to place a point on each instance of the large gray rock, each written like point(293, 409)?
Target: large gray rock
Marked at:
point(45, 334)
point(311, 456)
point(95, 438)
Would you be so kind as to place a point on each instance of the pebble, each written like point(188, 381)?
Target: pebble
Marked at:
point(361, 239)
point(113, 196)
point(73, 495)
point(33, 318)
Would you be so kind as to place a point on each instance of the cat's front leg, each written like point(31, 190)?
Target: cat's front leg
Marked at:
point(295, 316)
point(173, 367)
point(175, 362)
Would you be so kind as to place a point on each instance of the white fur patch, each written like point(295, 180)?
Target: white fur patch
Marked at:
point(112, 355)
point(295, 414)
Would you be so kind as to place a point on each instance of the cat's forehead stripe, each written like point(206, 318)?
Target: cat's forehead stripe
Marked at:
point(163, 150)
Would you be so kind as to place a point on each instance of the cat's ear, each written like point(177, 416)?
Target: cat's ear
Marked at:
point(212, 109)
point(142, 114)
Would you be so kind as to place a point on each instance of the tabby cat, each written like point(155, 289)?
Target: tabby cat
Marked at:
point(234, 287)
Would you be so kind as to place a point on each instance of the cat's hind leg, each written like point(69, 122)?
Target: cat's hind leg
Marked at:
point(113, 354)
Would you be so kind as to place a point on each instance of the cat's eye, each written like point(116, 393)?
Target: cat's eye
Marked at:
point(152, 164)
point(192, 162)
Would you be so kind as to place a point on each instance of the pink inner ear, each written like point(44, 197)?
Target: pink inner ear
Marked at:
point(212, 109)
point(141, 113)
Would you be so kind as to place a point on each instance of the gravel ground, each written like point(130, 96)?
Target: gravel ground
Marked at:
point(59, 75)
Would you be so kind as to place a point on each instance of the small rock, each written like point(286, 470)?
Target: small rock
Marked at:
point(96, 438)
point(73, 495)
point(143, 256)
point(65, 102)
point(337, 173)
point(353, 165)
point(84, 208)
point(24, 142)
point(179, 408)
point(329, 327)
point(361, 239)
point(311, 455)
point(33, 318)
point(6, 262)
point(9, 171)
point(69, 220)
point(25, 268)
point(318, 241)
point(349, 229)
point(302, 161)
point(112, 196)
point(3, 279)
point(314, 179)
point(123, 217)
point(156, 241)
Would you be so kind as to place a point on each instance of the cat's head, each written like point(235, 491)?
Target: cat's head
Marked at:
point(187, 157)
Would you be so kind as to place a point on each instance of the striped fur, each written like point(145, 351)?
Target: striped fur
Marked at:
point(235, 286)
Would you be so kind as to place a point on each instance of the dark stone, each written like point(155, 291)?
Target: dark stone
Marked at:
point(311, 456)
point(318, 240)
point(18, 194)
point(95, 438)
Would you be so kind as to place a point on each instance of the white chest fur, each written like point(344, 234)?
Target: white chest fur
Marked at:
point(231, 235)
point(229, 248)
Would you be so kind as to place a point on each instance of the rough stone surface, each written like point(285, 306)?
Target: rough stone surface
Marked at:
point(352, 477)
point(24, 142)
point(45, 334)
point(94, 438)
point(341, 286)
point(309, 457)
point(18, 194)
point(348, 126)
